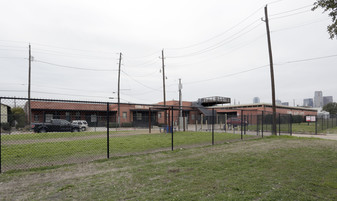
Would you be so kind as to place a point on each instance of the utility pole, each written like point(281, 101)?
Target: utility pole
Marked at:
point(119, 85)
point(29, 84)
point(164, 89)
point(180, 104)
point(271, 70)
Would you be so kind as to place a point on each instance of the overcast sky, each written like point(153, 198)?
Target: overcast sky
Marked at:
point(217, 48)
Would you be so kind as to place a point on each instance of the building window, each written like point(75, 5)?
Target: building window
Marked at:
point(159, 115)
point(124, 115)
point(49, 117)
point(193, 117)
point(36, 118)
point(78, 116)
point(93, 118)
point(68, 116)
point(139, 116)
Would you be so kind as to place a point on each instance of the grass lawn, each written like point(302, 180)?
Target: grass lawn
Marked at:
point(56, 148)
point(273, 168)
point(296, 128)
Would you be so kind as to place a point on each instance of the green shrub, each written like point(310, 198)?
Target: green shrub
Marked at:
point(298, 119)
point(6, 126)
point(127, 124)
point(113, 125)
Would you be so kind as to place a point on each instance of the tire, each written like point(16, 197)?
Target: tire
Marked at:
point(76, 130)
point(42, 130)
point(83, 128)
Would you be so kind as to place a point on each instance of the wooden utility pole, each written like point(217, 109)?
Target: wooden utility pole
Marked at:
point(271, 70)
point(164, 89)
point(29, 84)
point(119, 85)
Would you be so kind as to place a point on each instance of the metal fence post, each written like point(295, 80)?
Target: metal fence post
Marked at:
point(172, 128)
point(0, 137)
point(184, 129)
point(257, 124)
point(149, 120)
point(107, 129)
point(241, 124)
point(244, 125)
point(291, 125)
point(213, 118)
point(262, 124)
point(279, 124)
point(316, 125)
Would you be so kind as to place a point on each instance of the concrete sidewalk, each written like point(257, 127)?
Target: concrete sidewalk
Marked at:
point(322, 136)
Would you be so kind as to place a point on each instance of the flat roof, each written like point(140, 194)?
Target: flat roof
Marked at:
point(262, 105)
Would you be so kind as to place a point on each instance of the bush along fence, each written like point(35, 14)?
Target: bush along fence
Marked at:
point(37, 132)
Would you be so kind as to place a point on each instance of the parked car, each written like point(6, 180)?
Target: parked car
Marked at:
point(56, 125)
point(235, 122)
point(81, 123)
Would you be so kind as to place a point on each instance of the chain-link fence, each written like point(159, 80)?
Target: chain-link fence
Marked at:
point(36, 133)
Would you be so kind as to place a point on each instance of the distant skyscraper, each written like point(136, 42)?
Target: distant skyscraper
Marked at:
point(256, 100)
point(318, 99)
point(308, 102)
point(327, 99)
point(278, 102)
point(285, 103)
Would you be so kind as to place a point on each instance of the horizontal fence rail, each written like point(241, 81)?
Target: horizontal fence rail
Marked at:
point(39, 132)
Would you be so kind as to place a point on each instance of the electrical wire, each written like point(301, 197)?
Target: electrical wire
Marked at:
point(289, 11)
point(64, 54)
point(219, 35)
point(72, 67)
point(139, 82)
point(264, 66)
point(230, 51)
point(276, 18)
point(297, 26)
point(51, 93)
point(227, 75)
point(309, 59)
point(221, 43)
point(73, 49)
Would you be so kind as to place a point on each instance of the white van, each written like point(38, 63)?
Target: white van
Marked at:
point(81, 123)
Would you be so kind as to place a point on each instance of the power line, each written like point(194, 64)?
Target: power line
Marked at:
point(228, 75)
point(148, 63)
point(275, 18)
point(72, 67)
point(4, 49)
point(58, 53)
point(264, 66)
point(51, 93)
point(73, 49)
point(221, 34)
point(139, 82)
point(53, 87)
point(289, 11)
point(223, 42)
point(309, 59)
point(142, 57)
point(297, 26)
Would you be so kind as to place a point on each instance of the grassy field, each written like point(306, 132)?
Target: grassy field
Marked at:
point(295, 128)
point(273, 168)
point(24, 151)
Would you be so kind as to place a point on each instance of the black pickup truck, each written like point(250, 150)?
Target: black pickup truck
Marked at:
point(56, 125)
